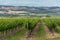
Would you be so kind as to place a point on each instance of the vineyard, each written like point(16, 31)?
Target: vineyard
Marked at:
point(29, 28)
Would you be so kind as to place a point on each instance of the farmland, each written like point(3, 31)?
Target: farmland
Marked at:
point(29, 28)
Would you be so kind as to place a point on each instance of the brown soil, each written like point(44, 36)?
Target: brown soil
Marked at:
point(49, 34)
point(36, 29)
point(34, 32)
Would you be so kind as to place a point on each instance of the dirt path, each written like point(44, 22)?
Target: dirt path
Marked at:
point(36, 29)
point(49, 34)
point(34, 32)
point(33, 36)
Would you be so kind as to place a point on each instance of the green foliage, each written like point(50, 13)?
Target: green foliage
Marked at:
point(52, 23)
point(32, 22)
point(9, 23)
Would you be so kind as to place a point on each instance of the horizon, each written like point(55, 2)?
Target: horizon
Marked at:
point(29, 6)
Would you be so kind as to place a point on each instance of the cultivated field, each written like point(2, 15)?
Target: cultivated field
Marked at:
point(28, 28)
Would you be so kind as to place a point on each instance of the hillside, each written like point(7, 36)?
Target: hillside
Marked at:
point(26, 9)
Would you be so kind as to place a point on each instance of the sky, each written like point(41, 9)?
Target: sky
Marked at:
point(37, 3)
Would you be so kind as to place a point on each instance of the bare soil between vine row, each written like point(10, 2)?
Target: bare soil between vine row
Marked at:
point(49, 34)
